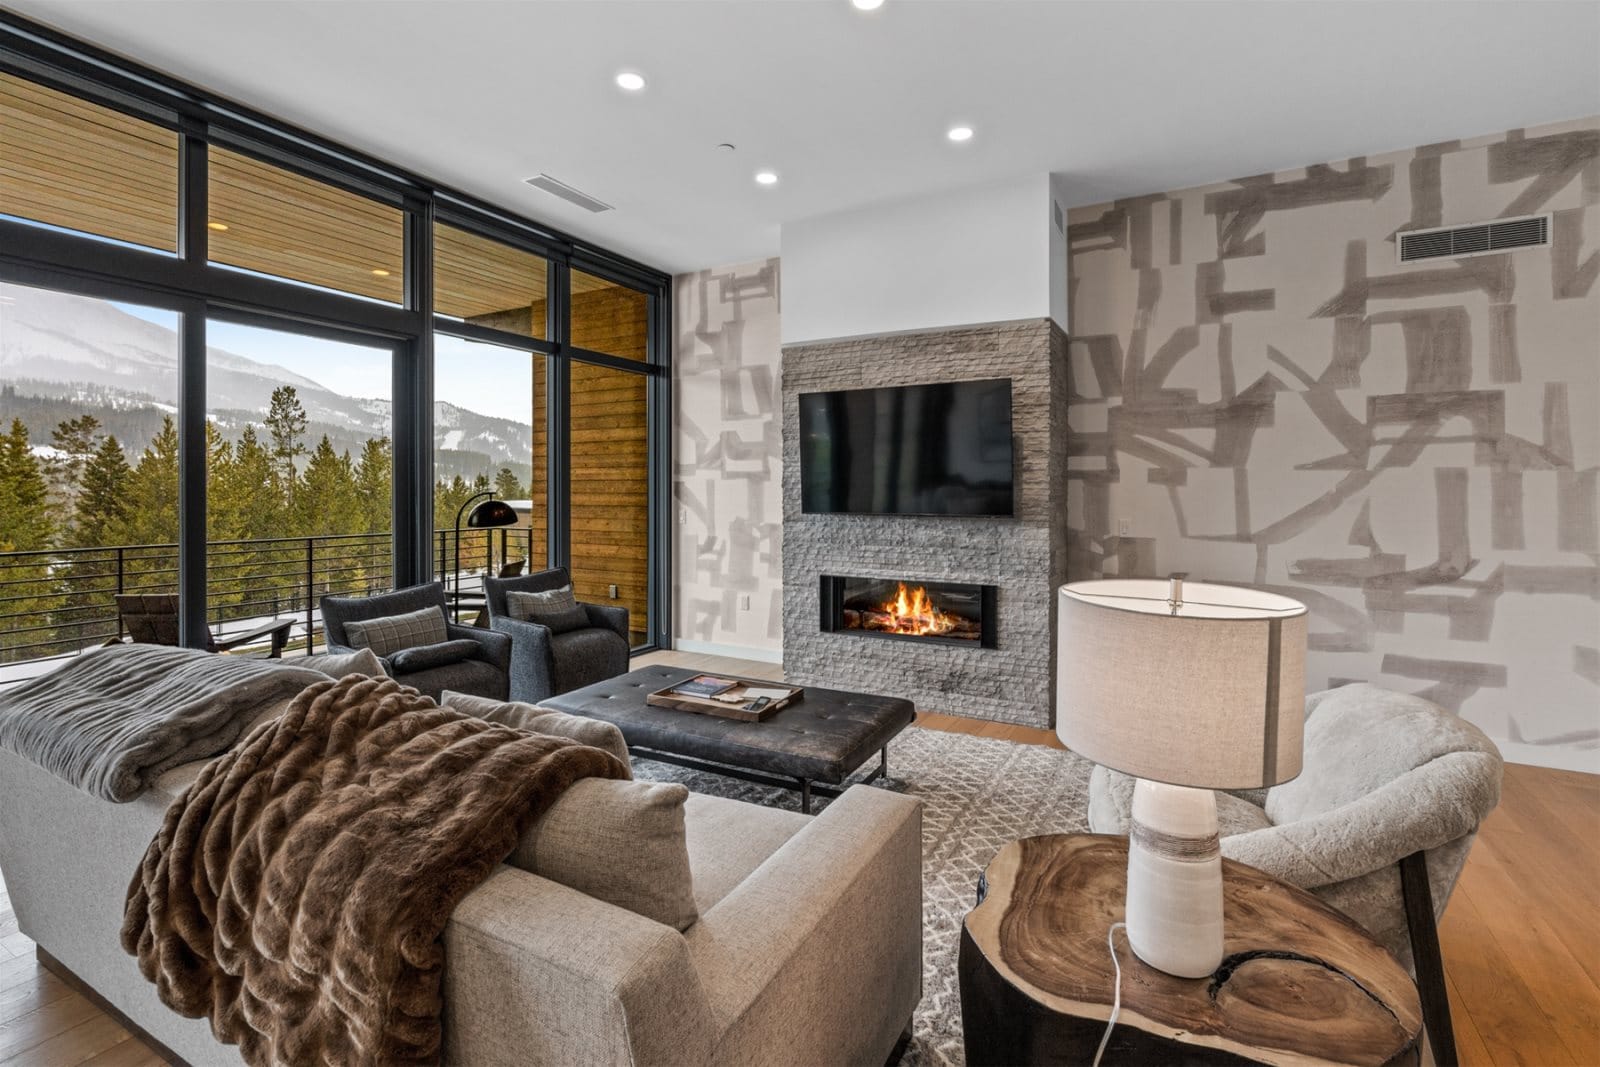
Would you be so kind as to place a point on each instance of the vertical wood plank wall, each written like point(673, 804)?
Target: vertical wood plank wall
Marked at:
point(610, 455)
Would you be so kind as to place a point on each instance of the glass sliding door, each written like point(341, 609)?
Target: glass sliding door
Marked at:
point(88, 469)
point(610, 491)
point(299, 492)
point(490, 436)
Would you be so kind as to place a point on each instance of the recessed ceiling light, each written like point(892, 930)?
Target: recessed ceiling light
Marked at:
point(218, 226)
point(630, 81)
point(380, 273)
point(960, 133)
point(867, 5)
point(766, 177)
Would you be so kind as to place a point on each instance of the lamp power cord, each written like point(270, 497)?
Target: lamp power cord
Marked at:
point(1116, 997)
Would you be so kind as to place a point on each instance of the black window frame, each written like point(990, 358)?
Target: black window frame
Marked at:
point(189, 284)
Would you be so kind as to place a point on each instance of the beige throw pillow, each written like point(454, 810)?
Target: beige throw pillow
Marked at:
point(602, 735)
point(338, 664)
point(620, 842)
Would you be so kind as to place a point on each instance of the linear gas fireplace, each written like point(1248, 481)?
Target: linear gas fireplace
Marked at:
point(951, 613)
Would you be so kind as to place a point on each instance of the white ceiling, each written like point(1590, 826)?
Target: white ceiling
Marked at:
point(850, 108)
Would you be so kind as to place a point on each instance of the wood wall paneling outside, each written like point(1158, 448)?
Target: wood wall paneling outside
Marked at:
point(611, 490)
point(289, 226)
point(73, 164)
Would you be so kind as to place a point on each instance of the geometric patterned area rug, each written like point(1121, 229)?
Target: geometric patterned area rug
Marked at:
point(978, 793)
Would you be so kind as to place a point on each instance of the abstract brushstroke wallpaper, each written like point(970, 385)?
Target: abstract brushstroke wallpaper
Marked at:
point(1261, 392)
point(728, 454)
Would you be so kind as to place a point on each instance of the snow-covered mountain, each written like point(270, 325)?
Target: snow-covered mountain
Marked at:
point(97, 357)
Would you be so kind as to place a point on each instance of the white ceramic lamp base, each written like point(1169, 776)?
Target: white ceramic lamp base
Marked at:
point(1175, 879)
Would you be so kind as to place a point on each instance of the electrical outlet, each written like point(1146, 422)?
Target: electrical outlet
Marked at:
point(744, 601)
point(1124, 527)
point(613, 592)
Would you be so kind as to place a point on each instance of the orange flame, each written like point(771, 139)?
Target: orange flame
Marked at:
point(913, 612)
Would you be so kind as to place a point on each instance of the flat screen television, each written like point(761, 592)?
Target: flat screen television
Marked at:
point(940, 449)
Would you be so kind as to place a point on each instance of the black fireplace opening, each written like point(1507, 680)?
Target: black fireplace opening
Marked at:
point(953, 613)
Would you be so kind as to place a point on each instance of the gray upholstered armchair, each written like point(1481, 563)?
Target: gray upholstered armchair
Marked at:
point(1378, 824)
point(411, 632)
point(560, 652)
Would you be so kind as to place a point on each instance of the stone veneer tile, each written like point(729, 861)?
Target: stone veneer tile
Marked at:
point(1024, 556)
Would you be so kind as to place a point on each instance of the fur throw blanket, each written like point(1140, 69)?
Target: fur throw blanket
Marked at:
point(298, 891)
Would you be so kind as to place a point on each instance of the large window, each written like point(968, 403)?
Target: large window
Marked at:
point(75, 165)
point(490, 435)
point(299, 489)
point(88, 469)
point(241, 387)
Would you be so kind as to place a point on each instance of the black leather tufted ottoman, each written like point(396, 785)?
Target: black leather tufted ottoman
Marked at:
point(812, 745)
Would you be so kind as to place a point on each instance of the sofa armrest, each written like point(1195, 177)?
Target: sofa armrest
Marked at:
point(540, 973)
point(608, 617)
point(816, 957)
point(495, 647)
point(533, 668)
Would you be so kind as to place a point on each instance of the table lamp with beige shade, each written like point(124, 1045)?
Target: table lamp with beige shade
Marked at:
point(1188, 687)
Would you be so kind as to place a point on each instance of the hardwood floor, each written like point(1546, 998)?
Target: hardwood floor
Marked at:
point(1521, 937)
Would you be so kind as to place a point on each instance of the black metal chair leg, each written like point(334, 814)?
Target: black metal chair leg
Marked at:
point(1418, 896)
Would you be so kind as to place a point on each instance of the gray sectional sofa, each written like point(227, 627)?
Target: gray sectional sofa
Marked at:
point(807, 949)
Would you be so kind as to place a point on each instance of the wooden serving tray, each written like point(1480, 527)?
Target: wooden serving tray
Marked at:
point(666, 698)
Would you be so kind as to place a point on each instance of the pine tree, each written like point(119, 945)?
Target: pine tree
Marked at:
point(25, 525)
point(153, 491)
point(286, 428)
point(251, 483)
point(101, 512)
point(75, 440)
point(507, 486)
point(25, 521)
point(326, 502)
point(375, 486)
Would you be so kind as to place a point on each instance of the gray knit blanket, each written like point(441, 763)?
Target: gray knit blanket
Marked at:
point(112, 721)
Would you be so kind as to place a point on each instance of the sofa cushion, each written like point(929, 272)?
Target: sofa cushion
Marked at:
point(391, 633)
point(427, 657)
point(556, 608)
point(729, 839)
point(338, 664)
point(620, 842)
point(537, 720)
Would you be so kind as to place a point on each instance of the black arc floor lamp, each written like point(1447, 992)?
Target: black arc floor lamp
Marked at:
point(485, 515)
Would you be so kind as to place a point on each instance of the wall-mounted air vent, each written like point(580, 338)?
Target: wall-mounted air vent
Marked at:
point(566, 192)
point(1479, 239)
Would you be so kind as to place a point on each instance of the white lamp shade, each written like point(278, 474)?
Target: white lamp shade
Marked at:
point(1211, 695)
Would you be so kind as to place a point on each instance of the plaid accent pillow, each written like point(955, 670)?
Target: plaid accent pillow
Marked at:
point(555, 608)
point(390, 634)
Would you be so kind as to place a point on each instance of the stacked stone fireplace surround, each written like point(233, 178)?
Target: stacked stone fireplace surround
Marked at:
point(1024, 556)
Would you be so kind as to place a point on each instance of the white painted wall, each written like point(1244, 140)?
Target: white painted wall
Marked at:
point(980, 254)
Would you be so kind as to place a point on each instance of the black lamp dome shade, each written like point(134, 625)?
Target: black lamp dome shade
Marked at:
point(491, 513)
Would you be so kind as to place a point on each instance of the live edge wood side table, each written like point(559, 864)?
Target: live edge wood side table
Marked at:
point(1299, 982)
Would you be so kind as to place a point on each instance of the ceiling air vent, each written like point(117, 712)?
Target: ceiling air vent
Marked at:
point(568, 193)
point(1479, 239)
